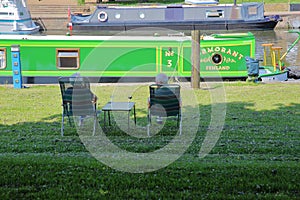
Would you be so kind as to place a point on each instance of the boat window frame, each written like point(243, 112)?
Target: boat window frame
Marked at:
point(67, 50)
point(252, 10)
point(212, 14)
point(6, 13)
point(5, 58)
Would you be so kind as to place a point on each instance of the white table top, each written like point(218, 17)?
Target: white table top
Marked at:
point(118, 106)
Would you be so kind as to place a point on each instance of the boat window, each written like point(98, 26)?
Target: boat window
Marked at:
point(2, 58)
point(67, 58)
point(214, 13)
point(6, 13)
point(252, 10)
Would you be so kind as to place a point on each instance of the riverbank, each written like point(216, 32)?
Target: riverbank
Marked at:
point(290, 19)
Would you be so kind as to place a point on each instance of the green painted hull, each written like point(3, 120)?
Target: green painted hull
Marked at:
point(129, 56)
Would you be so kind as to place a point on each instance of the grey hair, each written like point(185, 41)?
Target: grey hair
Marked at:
point(161, 79)
point(75, 77)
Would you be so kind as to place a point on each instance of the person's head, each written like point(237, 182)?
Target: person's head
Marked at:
point(161, 79)
point(74, 77)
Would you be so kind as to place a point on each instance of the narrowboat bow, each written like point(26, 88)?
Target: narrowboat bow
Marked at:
point(15, 18)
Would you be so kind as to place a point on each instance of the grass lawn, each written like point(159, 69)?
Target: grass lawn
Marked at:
point(256, 156)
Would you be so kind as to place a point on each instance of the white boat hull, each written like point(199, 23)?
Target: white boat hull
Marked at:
point(268, 76)
point(15, 18)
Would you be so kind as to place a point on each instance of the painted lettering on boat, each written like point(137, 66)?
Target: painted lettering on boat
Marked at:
point(224, 50)
point(228, 56)
point(169, 53)
point(217, 68)
point(224, 60)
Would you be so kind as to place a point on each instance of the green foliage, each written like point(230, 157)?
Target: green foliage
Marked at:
point(256, 157)
point(81, 2)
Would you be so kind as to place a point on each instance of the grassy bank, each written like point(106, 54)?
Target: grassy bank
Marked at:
point(256, 157)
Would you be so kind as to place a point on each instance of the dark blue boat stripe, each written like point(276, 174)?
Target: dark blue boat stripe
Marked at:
point(10, 21)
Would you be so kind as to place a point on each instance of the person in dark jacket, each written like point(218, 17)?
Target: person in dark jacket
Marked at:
point(164, 95)
point(82, 100)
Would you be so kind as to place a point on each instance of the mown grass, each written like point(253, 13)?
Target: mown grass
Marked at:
point(256, 157)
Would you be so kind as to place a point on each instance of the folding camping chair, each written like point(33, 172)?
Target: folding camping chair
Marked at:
point(164, 102)
point(76, 100)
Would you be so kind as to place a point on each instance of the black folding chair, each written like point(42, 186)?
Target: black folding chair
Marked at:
point(77, 100)
point(164, 102)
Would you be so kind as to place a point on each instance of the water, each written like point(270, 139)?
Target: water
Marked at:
point(280, 38)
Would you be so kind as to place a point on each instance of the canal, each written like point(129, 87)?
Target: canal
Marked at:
point(280, 38)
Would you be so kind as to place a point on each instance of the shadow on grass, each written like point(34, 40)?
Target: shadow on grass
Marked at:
point(257, 156)
point(242, 122)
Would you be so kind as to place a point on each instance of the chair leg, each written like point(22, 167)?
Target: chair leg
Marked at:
point(62, 125)
point(180, 125)
point(148, 130)
point(148, 125)
point(95, 122)
point(69, 118)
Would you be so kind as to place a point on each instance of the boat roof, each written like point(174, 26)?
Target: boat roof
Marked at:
point(85, 37)
point(201, 1)
point(164, 6)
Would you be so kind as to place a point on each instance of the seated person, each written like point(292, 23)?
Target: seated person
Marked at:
point(164, 93)
point(80, 97)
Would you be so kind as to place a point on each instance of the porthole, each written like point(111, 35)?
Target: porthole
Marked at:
point(217, 59)
point(142, 15)
point(117, 15)
point(102, 16)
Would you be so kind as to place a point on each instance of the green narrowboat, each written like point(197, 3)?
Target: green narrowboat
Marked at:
point(52, 56)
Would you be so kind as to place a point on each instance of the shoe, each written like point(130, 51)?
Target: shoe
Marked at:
point(159, 120)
